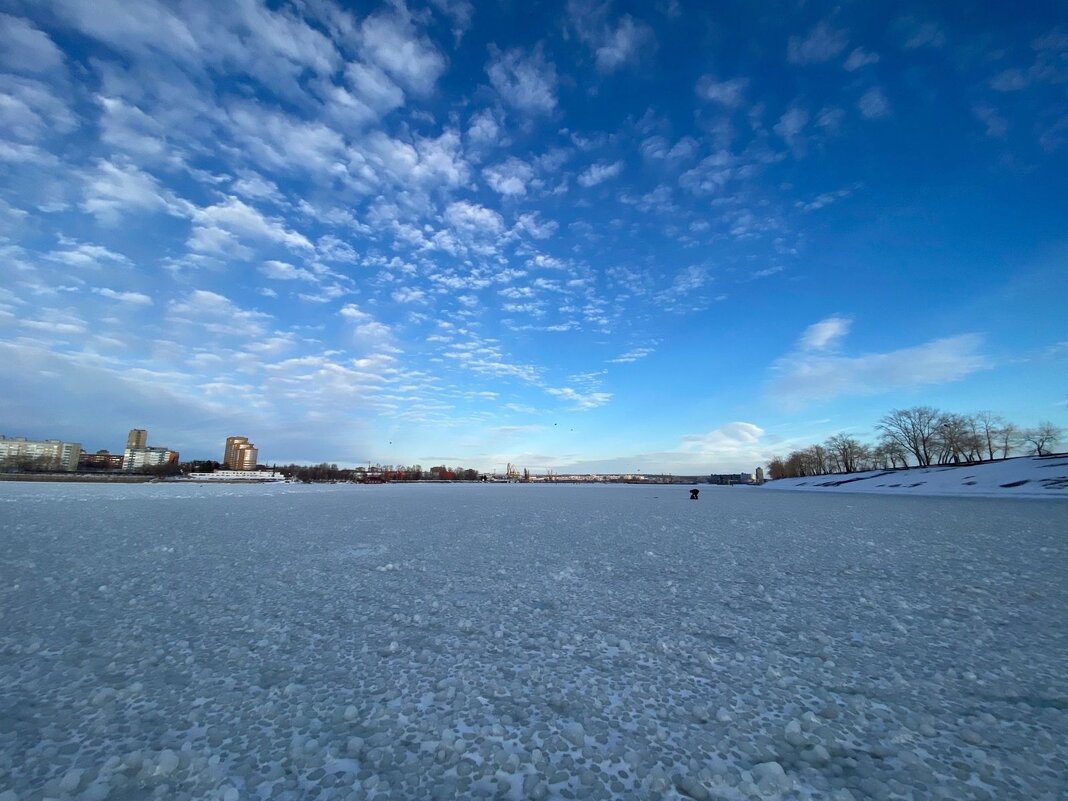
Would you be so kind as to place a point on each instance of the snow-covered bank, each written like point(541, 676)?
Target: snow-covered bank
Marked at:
point(1026, 477)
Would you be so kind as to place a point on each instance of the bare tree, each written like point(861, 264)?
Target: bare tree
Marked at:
point(913, 429)
point(988, 428)
point(1042, 437)
point(956, 440)
point(848, 452)
point(777, 468)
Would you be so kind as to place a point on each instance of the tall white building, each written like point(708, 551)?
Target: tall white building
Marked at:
point(134, 459)
point(48, 454)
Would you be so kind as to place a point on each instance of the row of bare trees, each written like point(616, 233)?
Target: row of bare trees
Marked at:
point(922, 436)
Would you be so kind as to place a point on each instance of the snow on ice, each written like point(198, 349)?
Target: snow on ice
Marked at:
point(542, 642)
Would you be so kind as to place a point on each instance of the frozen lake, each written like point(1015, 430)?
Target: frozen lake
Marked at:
point(514, 641)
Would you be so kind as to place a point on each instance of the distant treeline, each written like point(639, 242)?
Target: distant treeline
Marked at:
point(331, 472)
point(920, 436)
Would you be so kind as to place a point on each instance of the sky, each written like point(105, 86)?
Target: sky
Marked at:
point(588, 237)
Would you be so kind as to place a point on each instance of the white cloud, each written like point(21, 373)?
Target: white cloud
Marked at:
point(85, 255)
point(790, 125)
point(31, 111)
point(509, 178)
point(525, 81)
point(216, 314)
point(825, 334)
point(809, 375)
point(390, 41)
point(223, 222)
point(996, 125)
point(873, 104)
point(860, 58)
point(727, 441)
point(26, 48)
point(599, 173)
point(283, 271)
point(136, 298)
point(472, 219)
point(729, 93)
point(633, 355)
point(482, 129)
point(921, 34)
point(117, 188)
point(579, 399)
point(615, 43)
point(821, 44)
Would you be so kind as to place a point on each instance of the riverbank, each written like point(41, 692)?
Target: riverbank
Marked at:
point(1022, 477)
point(89, 478)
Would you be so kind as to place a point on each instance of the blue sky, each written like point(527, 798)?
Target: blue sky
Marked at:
point(593, 236)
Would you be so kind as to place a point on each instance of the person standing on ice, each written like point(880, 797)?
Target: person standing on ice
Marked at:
point(694, 493)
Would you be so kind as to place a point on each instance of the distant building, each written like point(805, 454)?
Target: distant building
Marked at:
point(48, 454)
point(137, 438)
point(237, 475)
point(759, 477)
point(730, 478)
point(240, 454)
point(101, 460)
point(135, 459)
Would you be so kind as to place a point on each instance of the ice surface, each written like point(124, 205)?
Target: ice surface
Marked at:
point(510, 641)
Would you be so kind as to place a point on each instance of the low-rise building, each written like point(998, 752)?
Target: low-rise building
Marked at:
point(48, 454)
point(730, 478)
point(101, 460)
point(237, 475)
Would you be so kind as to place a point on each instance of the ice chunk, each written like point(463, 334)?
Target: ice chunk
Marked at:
point(574, 733)
point(771, 778)
point(167, 762)
point(71, 780)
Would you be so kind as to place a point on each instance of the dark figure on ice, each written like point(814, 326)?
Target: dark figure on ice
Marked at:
point(693, 494)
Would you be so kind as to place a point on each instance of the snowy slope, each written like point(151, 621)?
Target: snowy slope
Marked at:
point(1028, 476)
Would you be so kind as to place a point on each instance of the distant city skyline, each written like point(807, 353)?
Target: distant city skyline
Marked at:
point(587, 237)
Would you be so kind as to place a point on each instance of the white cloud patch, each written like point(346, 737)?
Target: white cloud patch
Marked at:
point(526, 82)
point(27, 48)
point(580, 399)
point(822, 43)
point(818, 371)
point(218, 226)
point(599, 173)
point(633, 355)
point(117, 188)
point(509, 178)
point(860, 58)
point(729, 93)
point(134, 298)
point(825, 334)
point(615, 42)
point(391, 41)
point(283, 271)
point(873, 104)
point(217, 314)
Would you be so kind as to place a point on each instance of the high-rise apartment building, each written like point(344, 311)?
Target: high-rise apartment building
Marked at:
point(137, 438)
point(240, 454)
point(49, 454)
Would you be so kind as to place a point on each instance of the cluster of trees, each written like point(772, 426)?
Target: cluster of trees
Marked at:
point(921, 435)
point(331, 472)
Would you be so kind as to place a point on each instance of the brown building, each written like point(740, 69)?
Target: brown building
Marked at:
point(101, 460)
point(240, 454)
point(137, 438)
